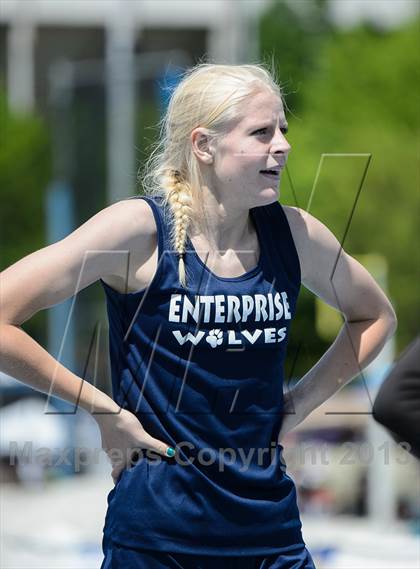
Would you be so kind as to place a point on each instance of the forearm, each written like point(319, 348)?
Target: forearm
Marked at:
point(355, 347)
point(24, 359)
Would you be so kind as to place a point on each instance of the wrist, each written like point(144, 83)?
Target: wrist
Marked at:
point(98, 403)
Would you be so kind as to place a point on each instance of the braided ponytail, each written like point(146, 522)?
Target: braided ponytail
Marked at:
point(179, 199)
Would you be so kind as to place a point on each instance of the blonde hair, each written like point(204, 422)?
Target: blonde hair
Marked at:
point(209, 96)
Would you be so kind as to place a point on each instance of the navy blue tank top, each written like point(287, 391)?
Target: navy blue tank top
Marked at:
point(202, 368)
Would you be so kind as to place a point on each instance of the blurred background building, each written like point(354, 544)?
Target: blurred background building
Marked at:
point(82, 86)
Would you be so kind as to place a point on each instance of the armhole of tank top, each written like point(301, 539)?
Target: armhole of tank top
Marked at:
point(277, 207)
point(160, 241)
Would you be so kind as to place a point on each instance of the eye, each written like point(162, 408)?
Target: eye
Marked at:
point(260, 130)
point(283, 130)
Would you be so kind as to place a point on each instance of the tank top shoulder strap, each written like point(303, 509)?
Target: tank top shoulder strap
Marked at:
point(166, 270)
point(278, 239)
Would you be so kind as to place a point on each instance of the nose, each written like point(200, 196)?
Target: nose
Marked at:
point(280, 144)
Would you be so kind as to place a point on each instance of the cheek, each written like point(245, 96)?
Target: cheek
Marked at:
point(248, 163)
point(243, 162)
point(252, 154)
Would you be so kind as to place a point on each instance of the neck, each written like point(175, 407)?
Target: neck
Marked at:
point(223, 225)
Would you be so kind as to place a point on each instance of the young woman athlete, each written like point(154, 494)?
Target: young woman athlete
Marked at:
point(202, 275)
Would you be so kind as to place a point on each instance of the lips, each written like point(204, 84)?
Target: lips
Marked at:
point(275, 171)
point(273, 174)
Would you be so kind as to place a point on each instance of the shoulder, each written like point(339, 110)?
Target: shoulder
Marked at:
point(128, 219)
point(136, 212)
point(126, 227)
point(97, 248)
point(316, 245)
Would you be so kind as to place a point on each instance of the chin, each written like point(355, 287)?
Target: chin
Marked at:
point(272, 192)
point(267, 196)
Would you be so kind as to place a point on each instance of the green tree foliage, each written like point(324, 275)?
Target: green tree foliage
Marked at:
point(290, 38)
point(360, 96)
point(25, 169)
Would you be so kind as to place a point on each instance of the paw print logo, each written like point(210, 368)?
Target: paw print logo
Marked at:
point(215, 337)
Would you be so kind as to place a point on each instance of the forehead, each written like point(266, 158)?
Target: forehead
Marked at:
point(263, 107)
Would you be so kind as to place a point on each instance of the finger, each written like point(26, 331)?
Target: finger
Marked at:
point(159, 446)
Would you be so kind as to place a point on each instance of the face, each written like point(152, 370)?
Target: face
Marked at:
point(256, 142)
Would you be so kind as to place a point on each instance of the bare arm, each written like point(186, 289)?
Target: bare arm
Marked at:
point(343, 283)
point(52, 274)
point(97, 249)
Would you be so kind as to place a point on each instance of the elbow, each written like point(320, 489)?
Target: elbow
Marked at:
point(392, 324)
point(386, 320)
point(393, 328)
point(390, 320)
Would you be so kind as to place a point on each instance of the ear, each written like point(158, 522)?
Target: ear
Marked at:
point(202, 145)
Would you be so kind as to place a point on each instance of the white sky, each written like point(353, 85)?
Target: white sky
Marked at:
point(344, 13)
point(387, 12)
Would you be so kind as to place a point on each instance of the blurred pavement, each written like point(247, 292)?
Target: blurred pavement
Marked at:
point(60, 526)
